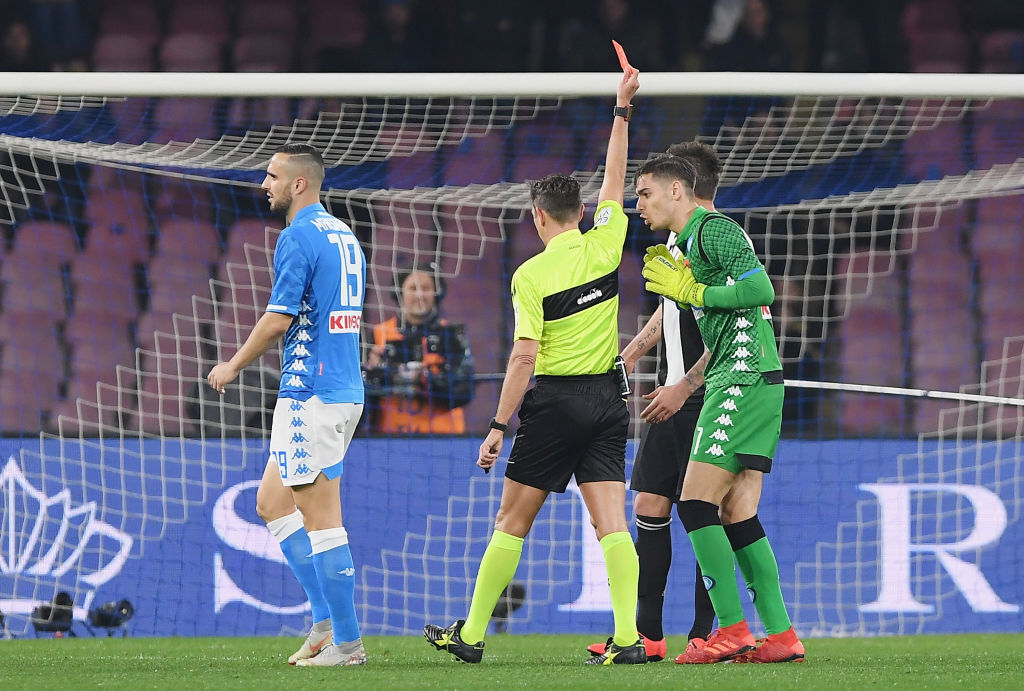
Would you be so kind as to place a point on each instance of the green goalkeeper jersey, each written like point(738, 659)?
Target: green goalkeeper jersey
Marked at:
point(741, 339)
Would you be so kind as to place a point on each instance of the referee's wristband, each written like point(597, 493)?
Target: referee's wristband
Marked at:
point(624, 112)
point(498, 426)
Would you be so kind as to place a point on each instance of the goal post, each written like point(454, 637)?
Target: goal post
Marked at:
point(137, 252)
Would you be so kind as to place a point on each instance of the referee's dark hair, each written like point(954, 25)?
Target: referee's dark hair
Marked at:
point(315, 161)
point(558, 195)
point(706, 164)
point(667, 166)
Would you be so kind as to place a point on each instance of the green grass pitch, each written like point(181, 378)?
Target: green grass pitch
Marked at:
point(526, 661)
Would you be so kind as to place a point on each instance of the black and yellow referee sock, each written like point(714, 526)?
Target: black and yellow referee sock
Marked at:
point(760, 571)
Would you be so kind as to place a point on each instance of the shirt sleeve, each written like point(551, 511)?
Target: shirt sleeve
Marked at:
point(610, 224)
point(729, 247)
point(292, 273)
point(527, 308)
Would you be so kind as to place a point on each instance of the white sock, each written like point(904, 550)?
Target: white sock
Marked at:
point(286, 526)
point(323, 540)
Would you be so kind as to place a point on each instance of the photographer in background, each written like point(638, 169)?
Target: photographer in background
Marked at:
point(419, 372)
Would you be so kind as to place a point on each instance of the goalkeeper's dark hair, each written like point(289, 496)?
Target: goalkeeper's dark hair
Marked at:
point(559, 196)
point(311, 158)
point(669, 167)
point(705, 163)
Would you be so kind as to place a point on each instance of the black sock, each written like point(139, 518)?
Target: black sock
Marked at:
point(654, 548)
point(703, 610)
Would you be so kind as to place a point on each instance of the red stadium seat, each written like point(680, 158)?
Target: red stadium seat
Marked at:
point(32, 287)
point(138, 19)
point(207, 17)
point(43, 243)
point(262, 53)
point(268, 17)
point(191, 52)
point(123, 53)
point(184, 120)
point(479, 159)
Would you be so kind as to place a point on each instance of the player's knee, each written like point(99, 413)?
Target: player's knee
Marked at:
point(696, 514)
point(271, 505)
point(647, 504)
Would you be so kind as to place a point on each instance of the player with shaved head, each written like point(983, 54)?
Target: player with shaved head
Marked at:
point(316, 304)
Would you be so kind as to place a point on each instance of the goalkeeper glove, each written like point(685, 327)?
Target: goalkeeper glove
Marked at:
point(671, 277)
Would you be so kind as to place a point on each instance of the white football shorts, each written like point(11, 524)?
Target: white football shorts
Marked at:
point(311, 437)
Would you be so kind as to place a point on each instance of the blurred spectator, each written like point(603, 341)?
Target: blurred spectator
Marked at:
point(494, 37)
point(396, 43)
point(18, 53)
point(585, 41)
point(60, 34)
point(755, 46)
point(419, 372)
point(861, 36)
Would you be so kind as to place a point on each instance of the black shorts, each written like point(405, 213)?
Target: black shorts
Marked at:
point(663, 455)
point(570, 426)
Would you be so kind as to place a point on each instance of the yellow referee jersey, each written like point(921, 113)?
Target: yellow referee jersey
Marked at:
point(567, 297)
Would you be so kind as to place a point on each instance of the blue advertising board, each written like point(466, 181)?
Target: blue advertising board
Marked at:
point(872, 537)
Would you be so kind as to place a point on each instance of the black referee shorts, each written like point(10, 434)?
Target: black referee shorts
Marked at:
point(570, 426)
point(663, 454)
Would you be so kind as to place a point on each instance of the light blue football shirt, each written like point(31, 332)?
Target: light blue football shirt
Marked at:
point(320, 279)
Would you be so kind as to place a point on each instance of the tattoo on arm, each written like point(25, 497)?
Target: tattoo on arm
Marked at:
point(695, 377)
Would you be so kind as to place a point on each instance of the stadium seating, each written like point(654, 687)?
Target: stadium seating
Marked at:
point(268, 17)
point(123, 53)
point(478, 160)
point(871, 343)
point(191, 52)
point(129, 17)
point(207, 17)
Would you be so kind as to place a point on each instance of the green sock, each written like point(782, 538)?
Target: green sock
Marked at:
point(497, 568)
point(761, 572)
point(623, 573)
point(714, 554)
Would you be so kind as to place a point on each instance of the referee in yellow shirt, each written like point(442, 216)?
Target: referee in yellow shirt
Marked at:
point(574, 421)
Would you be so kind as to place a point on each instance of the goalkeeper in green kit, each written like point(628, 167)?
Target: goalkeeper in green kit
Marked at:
point(724, 283)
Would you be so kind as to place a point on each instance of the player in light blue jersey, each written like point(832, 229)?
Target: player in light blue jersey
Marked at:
point(316, 304)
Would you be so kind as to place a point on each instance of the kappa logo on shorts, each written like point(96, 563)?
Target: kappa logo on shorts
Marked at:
point(742, 323)
point(300, 453)
point(742, 337)
point(297, 438)
point(297, 422)
point(735, 391)
point(741, 352)
point(347, 572)
point(715, 450)
point(294, 380)
point(720, 435)
point(724, 420)
point(302, 469)
point(295, 406)
point(740, 366)
point(728, 404)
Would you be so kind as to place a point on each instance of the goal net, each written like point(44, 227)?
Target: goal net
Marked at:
point(137, 253)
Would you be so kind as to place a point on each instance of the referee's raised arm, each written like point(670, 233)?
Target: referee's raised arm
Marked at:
point(615, 160)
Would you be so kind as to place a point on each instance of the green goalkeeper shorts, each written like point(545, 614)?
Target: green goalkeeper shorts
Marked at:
point(739, 426)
